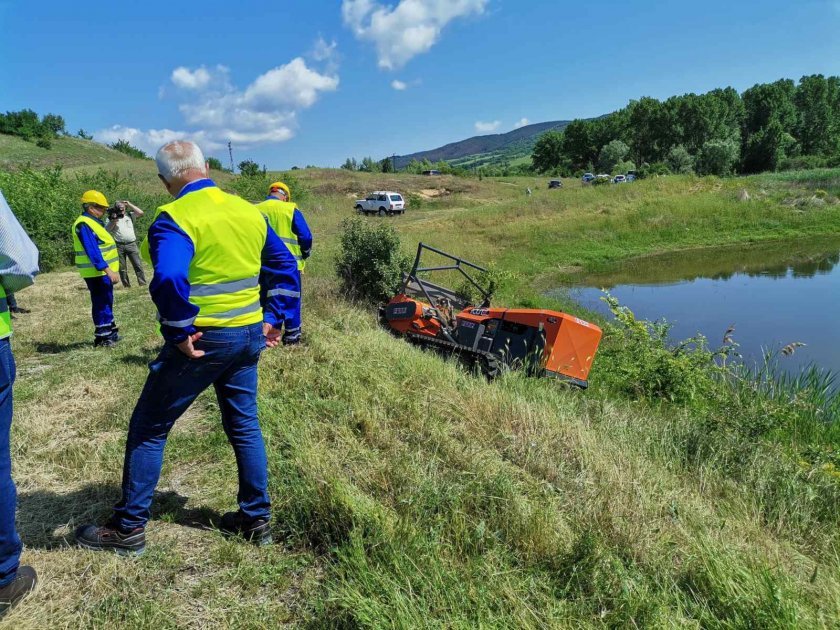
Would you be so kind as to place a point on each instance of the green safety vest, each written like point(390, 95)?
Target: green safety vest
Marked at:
point(5, 316)
point(280, 215)
point(107, 246)
point(228, 236)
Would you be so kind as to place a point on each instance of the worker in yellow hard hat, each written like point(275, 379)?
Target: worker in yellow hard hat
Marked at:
point(287, 220)
point(96, 258)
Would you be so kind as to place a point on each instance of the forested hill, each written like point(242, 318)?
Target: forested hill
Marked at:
point(519, 141)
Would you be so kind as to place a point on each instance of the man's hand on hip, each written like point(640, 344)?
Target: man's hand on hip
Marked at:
point(272, 335)
point(186, 346)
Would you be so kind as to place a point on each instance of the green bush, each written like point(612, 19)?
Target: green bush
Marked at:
point(680, 161)
point(370, 263)
point(644, 365)
point(718, 157)
point(123, 146)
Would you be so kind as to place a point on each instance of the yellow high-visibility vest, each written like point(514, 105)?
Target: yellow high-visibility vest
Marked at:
point(107, 246)
point(228, 235)
point(5, 316)
point(280, 215)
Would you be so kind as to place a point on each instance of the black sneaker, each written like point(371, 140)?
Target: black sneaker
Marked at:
point(255, 530)
point(19, 309)
point(105, 342)
point(23, 584)
point(292, 340)
point(110, 538)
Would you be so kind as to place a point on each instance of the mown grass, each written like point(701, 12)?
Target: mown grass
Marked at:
point(408, 493)
point(457, 503)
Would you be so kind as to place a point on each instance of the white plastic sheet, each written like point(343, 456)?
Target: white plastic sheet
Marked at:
point(18, 254)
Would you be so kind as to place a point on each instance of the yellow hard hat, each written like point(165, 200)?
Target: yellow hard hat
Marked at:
point(94, 196)
point(280, 186)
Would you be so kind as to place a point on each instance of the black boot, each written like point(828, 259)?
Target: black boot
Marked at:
point(109, 537)
point(255, 530)
point(292, 337)
point(17, 589)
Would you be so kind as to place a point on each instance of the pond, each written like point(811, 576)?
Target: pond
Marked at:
point(773, 294)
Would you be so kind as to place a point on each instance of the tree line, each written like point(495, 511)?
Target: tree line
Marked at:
point(769, 127)
point(28, 125)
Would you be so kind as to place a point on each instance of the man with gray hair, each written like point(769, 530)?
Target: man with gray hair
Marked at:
point(219, 270)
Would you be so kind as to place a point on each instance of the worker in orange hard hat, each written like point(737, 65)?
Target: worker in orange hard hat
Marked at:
point(96, 258)
point(287, 220)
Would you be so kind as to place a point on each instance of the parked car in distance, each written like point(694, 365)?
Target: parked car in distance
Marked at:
point(555, 183)
point(602, 176)
point(587, 177)
point(381, 202)
point(619, 179)
point(432, 172)
point(631, 177)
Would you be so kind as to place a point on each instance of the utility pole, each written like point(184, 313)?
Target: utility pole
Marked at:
point(230, 152)
point(394, 162)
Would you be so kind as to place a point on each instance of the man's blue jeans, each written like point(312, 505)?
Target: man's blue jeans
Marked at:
point(174, 382)
point(9, 540)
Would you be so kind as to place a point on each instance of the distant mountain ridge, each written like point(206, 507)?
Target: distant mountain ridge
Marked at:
point(511, 145)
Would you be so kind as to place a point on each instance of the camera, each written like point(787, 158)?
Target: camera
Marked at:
point(115, 213)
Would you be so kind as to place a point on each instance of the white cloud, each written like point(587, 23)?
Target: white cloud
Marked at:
point(324, 51)
point(487, 127)
point(190, 79)
point(523, 122)
point(411, 28)
point(399, 85)
point(215, 111)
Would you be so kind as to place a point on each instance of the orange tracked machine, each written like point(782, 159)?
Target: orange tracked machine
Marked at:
point(542, 342)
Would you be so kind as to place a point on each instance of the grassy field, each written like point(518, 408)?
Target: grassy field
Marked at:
point(408, 493)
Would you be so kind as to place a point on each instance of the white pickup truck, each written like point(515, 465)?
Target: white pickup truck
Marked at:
point(381, 202)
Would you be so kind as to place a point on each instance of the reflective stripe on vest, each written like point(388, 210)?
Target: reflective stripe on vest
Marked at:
point(228, 236)
point(280, 215)
point(107, 247)
point(5, 316)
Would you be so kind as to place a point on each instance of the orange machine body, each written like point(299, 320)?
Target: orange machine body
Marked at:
point(547, 342)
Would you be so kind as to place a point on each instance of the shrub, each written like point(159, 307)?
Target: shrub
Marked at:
point(680, 161)
point(622, 168)
point(644, 366)
point(370, 264)
point(44, 142)
point(123, 146)
point(215, 164)
point(718, 157)
point(612, 154)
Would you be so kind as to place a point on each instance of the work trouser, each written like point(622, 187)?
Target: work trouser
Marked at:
point(291, 299)
point(10, 545)
point(102, 306)
point(174, 382)
point(131, 252)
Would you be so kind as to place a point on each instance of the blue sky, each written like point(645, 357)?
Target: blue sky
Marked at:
point(313, 82)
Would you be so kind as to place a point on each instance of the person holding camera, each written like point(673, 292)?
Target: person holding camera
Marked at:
point(121, 227)
point(98, 264)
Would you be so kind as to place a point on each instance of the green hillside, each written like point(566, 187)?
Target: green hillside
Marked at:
point(66, 151)
point(486, 150)
point(409, 493)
